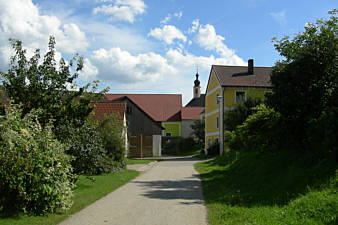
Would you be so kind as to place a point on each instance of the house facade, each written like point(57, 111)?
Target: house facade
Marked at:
point(227, 87)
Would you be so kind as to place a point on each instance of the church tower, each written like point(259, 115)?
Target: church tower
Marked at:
point(197, 87)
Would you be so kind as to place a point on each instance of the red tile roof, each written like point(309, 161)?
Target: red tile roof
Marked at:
point(102, 108)
point(237, 76)
point(191, 113)
point(160, 107)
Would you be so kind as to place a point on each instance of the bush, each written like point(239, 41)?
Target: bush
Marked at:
point(35, 173)
point(180, 145)
point(259, 131)
point(86, 146)
point(110, 130)
point(240, 113)
point(213, 149)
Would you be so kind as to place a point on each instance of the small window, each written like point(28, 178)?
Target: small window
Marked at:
point(168, 134)
point(217, 99)
point(129, 110)
point(209, 142)
point(240, 97)
point(217, 122)
point(216, 140)
point(196, 91)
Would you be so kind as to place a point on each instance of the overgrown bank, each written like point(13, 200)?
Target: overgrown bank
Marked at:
point(270, 188)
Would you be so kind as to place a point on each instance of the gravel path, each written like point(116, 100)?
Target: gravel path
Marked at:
point(168, 192)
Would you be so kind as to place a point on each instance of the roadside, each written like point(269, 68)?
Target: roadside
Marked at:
point(168, 193)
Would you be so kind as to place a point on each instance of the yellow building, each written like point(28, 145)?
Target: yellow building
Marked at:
point(228, 86)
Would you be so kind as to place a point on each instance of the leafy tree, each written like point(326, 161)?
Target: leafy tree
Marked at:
point(35, 173)
point(111, 129)
point(305, 84)
point(238, 115)
point(198, 127)
point(42, 84)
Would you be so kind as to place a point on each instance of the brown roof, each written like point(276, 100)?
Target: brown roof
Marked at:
point(197, 102)
point(237, 76)
point(107, 108)
point(160, 107)
point(191, 113)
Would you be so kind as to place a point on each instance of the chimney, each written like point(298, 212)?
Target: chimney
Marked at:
point(250, 67)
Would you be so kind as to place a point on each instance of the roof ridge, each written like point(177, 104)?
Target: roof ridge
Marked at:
point(244, 66)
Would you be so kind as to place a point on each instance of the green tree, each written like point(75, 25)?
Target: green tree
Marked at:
point(198, 128)
point(305, 84)
point(238, 115)
point(42, 84)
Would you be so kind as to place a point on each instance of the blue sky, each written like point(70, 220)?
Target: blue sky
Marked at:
point(153, 46)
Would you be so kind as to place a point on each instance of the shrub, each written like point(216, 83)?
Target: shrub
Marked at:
point(259, 131)
point(240, 113)
point(86, 146)
point(110, 130)
point(35, 173)
point(180, 145)
point(213, 149)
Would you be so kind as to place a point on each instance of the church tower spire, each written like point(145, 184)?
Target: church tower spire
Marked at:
point(197, 87)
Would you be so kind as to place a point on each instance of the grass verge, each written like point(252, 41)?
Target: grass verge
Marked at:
point(270, 188)
point(85, 193)
point(137, 161)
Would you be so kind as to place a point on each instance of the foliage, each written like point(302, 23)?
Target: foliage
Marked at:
point(180, 146)
point(86, 192)
point(259, 131)
point(86, 146)
point(213, 149)
point(272, 188)
point(198, 128)
point(43, 84)
point(111, 131)
point(238, 115)
point(35, 173)
point(305, 84)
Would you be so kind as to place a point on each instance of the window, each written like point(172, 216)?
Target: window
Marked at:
point(168, 134)
point(240, 96)
point(209, 142)
point(196, 91)
point(217, 99)
point(129, 110)
point(217, 121)
point(216, 141)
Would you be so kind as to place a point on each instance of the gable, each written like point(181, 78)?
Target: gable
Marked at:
point(212, 82)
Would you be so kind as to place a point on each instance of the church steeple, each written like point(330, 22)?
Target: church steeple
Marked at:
point(197, 87)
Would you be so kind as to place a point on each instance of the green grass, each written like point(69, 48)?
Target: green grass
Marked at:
point(138, 161)
point(185, 153)
point(85, 193)
point(270, 188)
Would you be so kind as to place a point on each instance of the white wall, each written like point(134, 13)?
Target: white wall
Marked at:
point(157, 145)
point(186, 128)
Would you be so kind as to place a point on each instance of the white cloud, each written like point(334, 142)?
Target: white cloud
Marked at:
point(21, 19)
point(178, 15)
point(89, 71)
point(121, 66)
point(122, 10)
point(168, 34)
point(166, 19)
point(194, 26)
point(279, 17)
point(209, 40)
